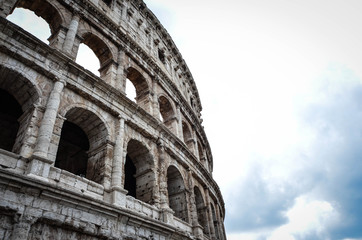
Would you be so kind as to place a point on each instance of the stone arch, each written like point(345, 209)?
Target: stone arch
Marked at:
point(187, 135)
point(166, 108)
point(215, 221)
point(167, 113)
point(82, 146)
point(201, 210)
point(101, 50)
point(141, 85)
point(140, 178)
point(44, 9)
point(18, 97)
point(177, 193)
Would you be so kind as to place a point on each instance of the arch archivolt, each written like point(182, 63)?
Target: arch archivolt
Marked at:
point(71, 100)
point(39, 84)
point(102, 47)
point(22, 84)
point(51, 11)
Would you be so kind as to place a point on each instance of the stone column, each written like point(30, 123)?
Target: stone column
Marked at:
point(121, 73)
point(118, 192)
point(179, 120)
point(166, 212)
point(156, 107)
point(72, 32)
point(40, 164)
point(209, 214)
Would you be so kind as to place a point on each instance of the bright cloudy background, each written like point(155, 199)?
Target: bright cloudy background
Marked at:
point(281, 86)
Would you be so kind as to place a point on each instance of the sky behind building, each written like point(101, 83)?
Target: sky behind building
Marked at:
point(280, 84)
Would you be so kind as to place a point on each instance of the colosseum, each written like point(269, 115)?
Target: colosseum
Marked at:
point(81, 160)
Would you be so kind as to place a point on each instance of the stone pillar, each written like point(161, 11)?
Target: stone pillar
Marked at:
point(40, 164)
point(7, 7)
point(118, 192)
point(121, 73)
point(196, 227)
point(209, 214)
point(156, 106)
point(72, 32)
point(179, 120)
point(196, 148)
point(166, 212)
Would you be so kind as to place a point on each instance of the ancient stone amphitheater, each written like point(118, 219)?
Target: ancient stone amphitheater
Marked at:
point(78, 158)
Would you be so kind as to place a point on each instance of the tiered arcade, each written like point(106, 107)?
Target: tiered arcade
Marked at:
point(78, 158)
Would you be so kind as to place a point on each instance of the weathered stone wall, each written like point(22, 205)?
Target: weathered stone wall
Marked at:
point(64, 176)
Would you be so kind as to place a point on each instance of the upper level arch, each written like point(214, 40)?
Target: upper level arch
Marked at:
point(48, 10)
point(167, 110)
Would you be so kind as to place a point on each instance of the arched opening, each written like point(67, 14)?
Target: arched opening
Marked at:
point(130, 91)
point(187, 135)
point(10, 112)
point(100, 50)
point(72, 151)
point(87, 58)
point(82, 145)
point(201, 210)
point(167, 114)
point(215, 221)
point(35, 25)
point(141, 87)
point(17, 98)
point(177, 193)
point(130, 177)
point(139, 172)
point(166, 110)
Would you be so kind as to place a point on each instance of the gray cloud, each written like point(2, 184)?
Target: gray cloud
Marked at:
point(330, 165)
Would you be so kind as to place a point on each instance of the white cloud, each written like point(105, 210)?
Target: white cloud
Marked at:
point(307, 217)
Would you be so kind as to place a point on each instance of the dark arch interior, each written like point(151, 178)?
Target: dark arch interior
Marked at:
point(72, 153)
point(10, 111)
point(130, 179)
point(139, 176)
point(177, 193)
point(200, 209)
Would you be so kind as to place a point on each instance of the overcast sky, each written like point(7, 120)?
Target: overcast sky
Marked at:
point(280, 84)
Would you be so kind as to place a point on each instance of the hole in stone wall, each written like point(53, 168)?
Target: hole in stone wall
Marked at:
point(87, 58)
point(130, 180)
point(72, 153)
point(10, 111)
point(30, 22)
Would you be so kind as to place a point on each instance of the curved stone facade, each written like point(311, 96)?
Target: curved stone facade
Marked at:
point(78, 158)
